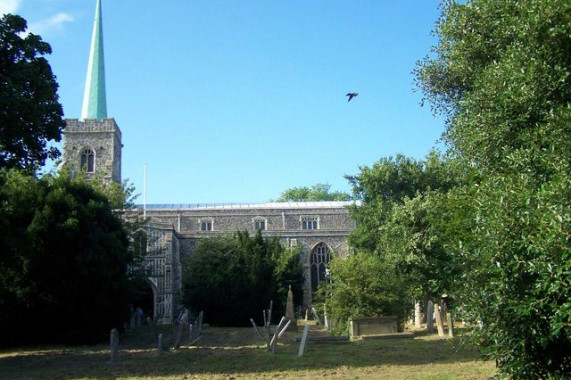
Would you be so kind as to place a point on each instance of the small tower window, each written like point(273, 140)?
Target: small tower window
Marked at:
point(88, 160)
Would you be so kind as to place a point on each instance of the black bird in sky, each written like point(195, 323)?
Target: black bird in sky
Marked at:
point(351, 95)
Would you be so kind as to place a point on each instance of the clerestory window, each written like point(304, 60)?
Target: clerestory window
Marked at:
point(259, 224)
point(206, 225)
point(309, 223)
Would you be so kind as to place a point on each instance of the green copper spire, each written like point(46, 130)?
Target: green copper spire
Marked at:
point(94, 102)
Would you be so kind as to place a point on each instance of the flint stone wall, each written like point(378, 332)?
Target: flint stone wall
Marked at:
point(180, 231)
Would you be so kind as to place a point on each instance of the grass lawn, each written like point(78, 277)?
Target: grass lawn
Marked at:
point(237, 353)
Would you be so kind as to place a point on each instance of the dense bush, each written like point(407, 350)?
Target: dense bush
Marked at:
point(234, 278)
point(63, 263)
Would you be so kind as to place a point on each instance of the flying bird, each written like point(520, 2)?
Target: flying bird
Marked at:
point(351, 95)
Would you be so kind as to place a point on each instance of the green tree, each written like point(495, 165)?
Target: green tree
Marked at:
point(318, 192)
point(397, 225)
point(64, 263)
point(363, 285)
point(30, 113)
point(501, 73)
point(388, 183)
point(234, 278)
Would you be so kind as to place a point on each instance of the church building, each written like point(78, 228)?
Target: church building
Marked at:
point(93, 144)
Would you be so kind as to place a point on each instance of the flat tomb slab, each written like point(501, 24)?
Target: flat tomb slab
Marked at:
point(374, 325)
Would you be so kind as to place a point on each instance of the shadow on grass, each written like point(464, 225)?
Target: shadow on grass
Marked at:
point(221, 351)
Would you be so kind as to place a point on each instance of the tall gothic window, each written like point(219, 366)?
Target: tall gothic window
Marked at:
point(88, 160)
point(140, 244)
point(320, 258)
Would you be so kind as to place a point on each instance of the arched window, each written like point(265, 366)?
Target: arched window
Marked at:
point(88, 160)
point(140, 242)
point(206, 225)
point(259, 224)
point(320, 258)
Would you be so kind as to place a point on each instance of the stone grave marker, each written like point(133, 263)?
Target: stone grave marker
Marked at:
point(290, 313)
point(303, 343)
point(114, 343)
point(438, 317)
point(450, 323)
point(317, 316)
point(160, 344)
point(430, 317)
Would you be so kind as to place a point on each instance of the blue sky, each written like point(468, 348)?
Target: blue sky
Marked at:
point(237, 101)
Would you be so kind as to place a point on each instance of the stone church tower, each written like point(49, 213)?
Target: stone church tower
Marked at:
point(93, 143)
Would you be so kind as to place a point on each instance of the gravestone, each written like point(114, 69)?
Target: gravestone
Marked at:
point(438, 318)
point(417, 315)
point(317, 316)
point(200, 320)
point(430, 317)
point(114, 343)
point(256, 328)
point(326, 319)
point(450, 323)
point(184, 320)
point(303, 343)
point(290, 313)
point(160, 344)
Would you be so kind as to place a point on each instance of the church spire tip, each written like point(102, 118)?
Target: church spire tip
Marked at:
point(94, 98)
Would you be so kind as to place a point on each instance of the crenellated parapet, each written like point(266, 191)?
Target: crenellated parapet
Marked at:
point(92, 126)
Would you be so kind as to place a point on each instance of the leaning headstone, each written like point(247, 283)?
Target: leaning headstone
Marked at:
point(417, 315)
point(430, 317)
point(317, 316)
point(274, 339)
point(256, 328)
point(284, 329)
point(303, 343)
point(450, 323)
point(194, 334)
point(184, 320)
point(178, 335)
point(438, 317)
point(114, 343)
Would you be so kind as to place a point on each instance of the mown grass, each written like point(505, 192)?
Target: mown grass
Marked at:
point(231, 354)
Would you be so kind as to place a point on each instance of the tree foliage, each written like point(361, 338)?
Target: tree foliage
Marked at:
point(30, 113)
point(318, 192)
point(400, 253)
point(387, 184)
point(362, 285)
point(64, 262)
point(502, 74)
point(234, 278)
